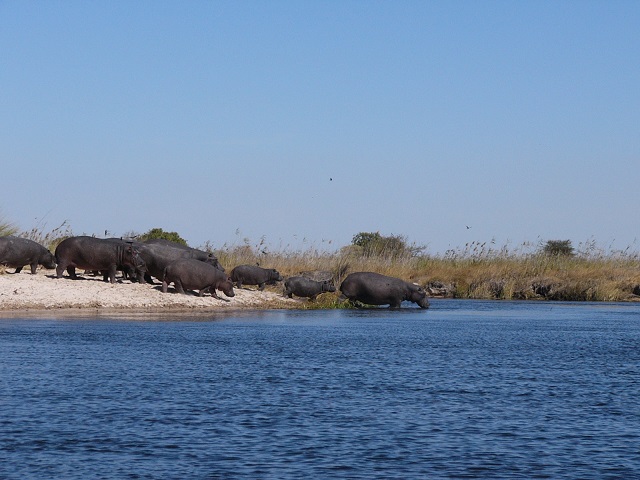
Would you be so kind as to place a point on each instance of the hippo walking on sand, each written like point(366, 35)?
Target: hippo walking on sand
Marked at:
point(191, 274)
point(376, 289)
point(253, 275)
point(192, 252)
point(92, 253)
point(305, 287)
point(158, 254)
point(16, 252)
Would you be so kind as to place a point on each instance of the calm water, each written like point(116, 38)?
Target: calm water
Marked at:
point(466, 389)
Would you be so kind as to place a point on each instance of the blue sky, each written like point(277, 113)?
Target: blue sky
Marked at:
point(308, 122)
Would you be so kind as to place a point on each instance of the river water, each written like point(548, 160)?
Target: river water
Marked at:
point(466, 389)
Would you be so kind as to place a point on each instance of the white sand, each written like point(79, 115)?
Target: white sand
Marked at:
point(43, 291)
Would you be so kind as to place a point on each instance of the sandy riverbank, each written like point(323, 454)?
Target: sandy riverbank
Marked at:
point(43, 291)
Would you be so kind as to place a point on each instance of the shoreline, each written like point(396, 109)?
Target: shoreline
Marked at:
point(42, 294)
point(24, 293)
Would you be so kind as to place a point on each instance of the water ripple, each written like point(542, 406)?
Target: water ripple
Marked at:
point(463, 390)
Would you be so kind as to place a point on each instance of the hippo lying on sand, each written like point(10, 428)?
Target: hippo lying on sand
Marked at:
point(375, 289)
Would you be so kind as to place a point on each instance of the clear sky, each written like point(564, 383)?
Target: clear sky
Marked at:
point(306, 122)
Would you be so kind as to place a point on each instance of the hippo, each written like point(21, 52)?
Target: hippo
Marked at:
point(16, 252)
point(159, 254)
point(92, 253)
point(375, 289)
point(305, 287)
point(194, 252)
point(254, 275)
point(128, 272)
point(191, 274)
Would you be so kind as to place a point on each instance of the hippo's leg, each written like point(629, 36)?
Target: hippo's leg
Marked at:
point(34, 268)
point(212, 291)
point(165, 286)
point(261, 286)
point(112, 273)
point(178, 285)
point(59, 270)
point(312, 298)
point(18, 270)
point(72, 272)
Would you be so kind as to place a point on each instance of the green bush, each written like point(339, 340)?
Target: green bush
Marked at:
point(558, 248)
point(372, 244)
point(159, 233)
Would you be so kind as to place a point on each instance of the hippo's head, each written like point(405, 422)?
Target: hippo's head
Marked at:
point(136, 261)
point(49, 261)
point(227, 287)
point(328, 286)
point(418, 295)
point(274, 275)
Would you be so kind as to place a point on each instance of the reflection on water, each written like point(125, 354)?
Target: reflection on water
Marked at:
point(465, 389)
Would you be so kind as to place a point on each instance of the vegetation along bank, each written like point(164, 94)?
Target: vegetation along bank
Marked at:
point(551, 270)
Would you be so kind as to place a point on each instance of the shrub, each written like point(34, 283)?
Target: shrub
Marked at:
point(558, 248)
point(159, 233)
point(372, 244)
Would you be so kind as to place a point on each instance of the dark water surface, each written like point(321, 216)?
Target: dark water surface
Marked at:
point(466, 389)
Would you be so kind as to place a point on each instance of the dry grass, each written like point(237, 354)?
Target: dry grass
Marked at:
point(477, 271)
point(49, 238)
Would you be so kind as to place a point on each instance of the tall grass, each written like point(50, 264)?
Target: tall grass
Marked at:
point(7, 227)
point(49, 238)
point(478, 270)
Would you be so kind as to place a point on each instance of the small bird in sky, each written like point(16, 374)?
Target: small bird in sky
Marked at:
point(468, 227)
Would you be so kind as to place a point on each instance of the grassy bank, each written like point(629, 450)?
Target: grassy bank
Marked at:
point(479, 270)
point(473, 272)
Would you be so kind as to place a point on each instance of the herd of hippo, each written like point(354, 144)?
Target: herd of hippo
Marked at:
point(192, 269)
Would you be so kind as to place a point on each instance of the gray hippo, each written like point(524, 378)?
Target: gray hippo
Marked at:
point(375, 289)
point(158, 254)
point(305, 287)
point(17, 252)
point(191, 274)
point(254, 275)
point(193, 252)
point(90, 253)
point(128, 272)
